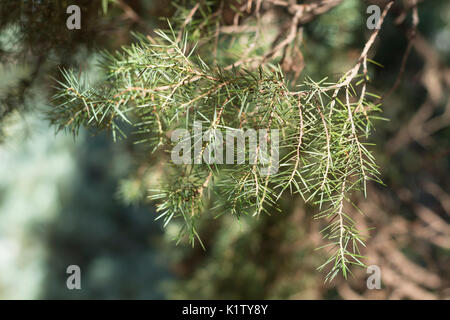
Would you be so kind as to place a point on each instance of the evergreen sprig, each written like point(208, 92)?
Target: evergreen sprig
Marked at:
point(160, 84)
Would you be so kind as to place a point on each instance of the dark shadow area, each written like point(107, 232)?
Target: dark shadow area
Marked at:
point(115, 246)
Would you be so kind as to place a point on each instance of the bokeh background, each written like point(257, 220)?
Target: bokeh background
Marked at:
point(81, 201)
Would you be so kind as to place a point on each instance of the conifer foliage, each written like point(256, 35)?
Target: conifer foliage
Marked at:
point(184, 75)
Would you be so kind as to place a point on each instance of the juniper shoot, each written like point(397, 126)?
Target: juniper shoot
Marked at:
point(184, 75)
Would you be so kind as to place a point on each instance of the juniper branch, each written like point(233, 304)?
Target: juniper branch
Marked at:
point(161, 84)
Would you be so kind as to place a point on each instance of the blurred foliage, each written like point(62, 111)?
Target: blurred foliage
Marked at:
point(59, 208)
